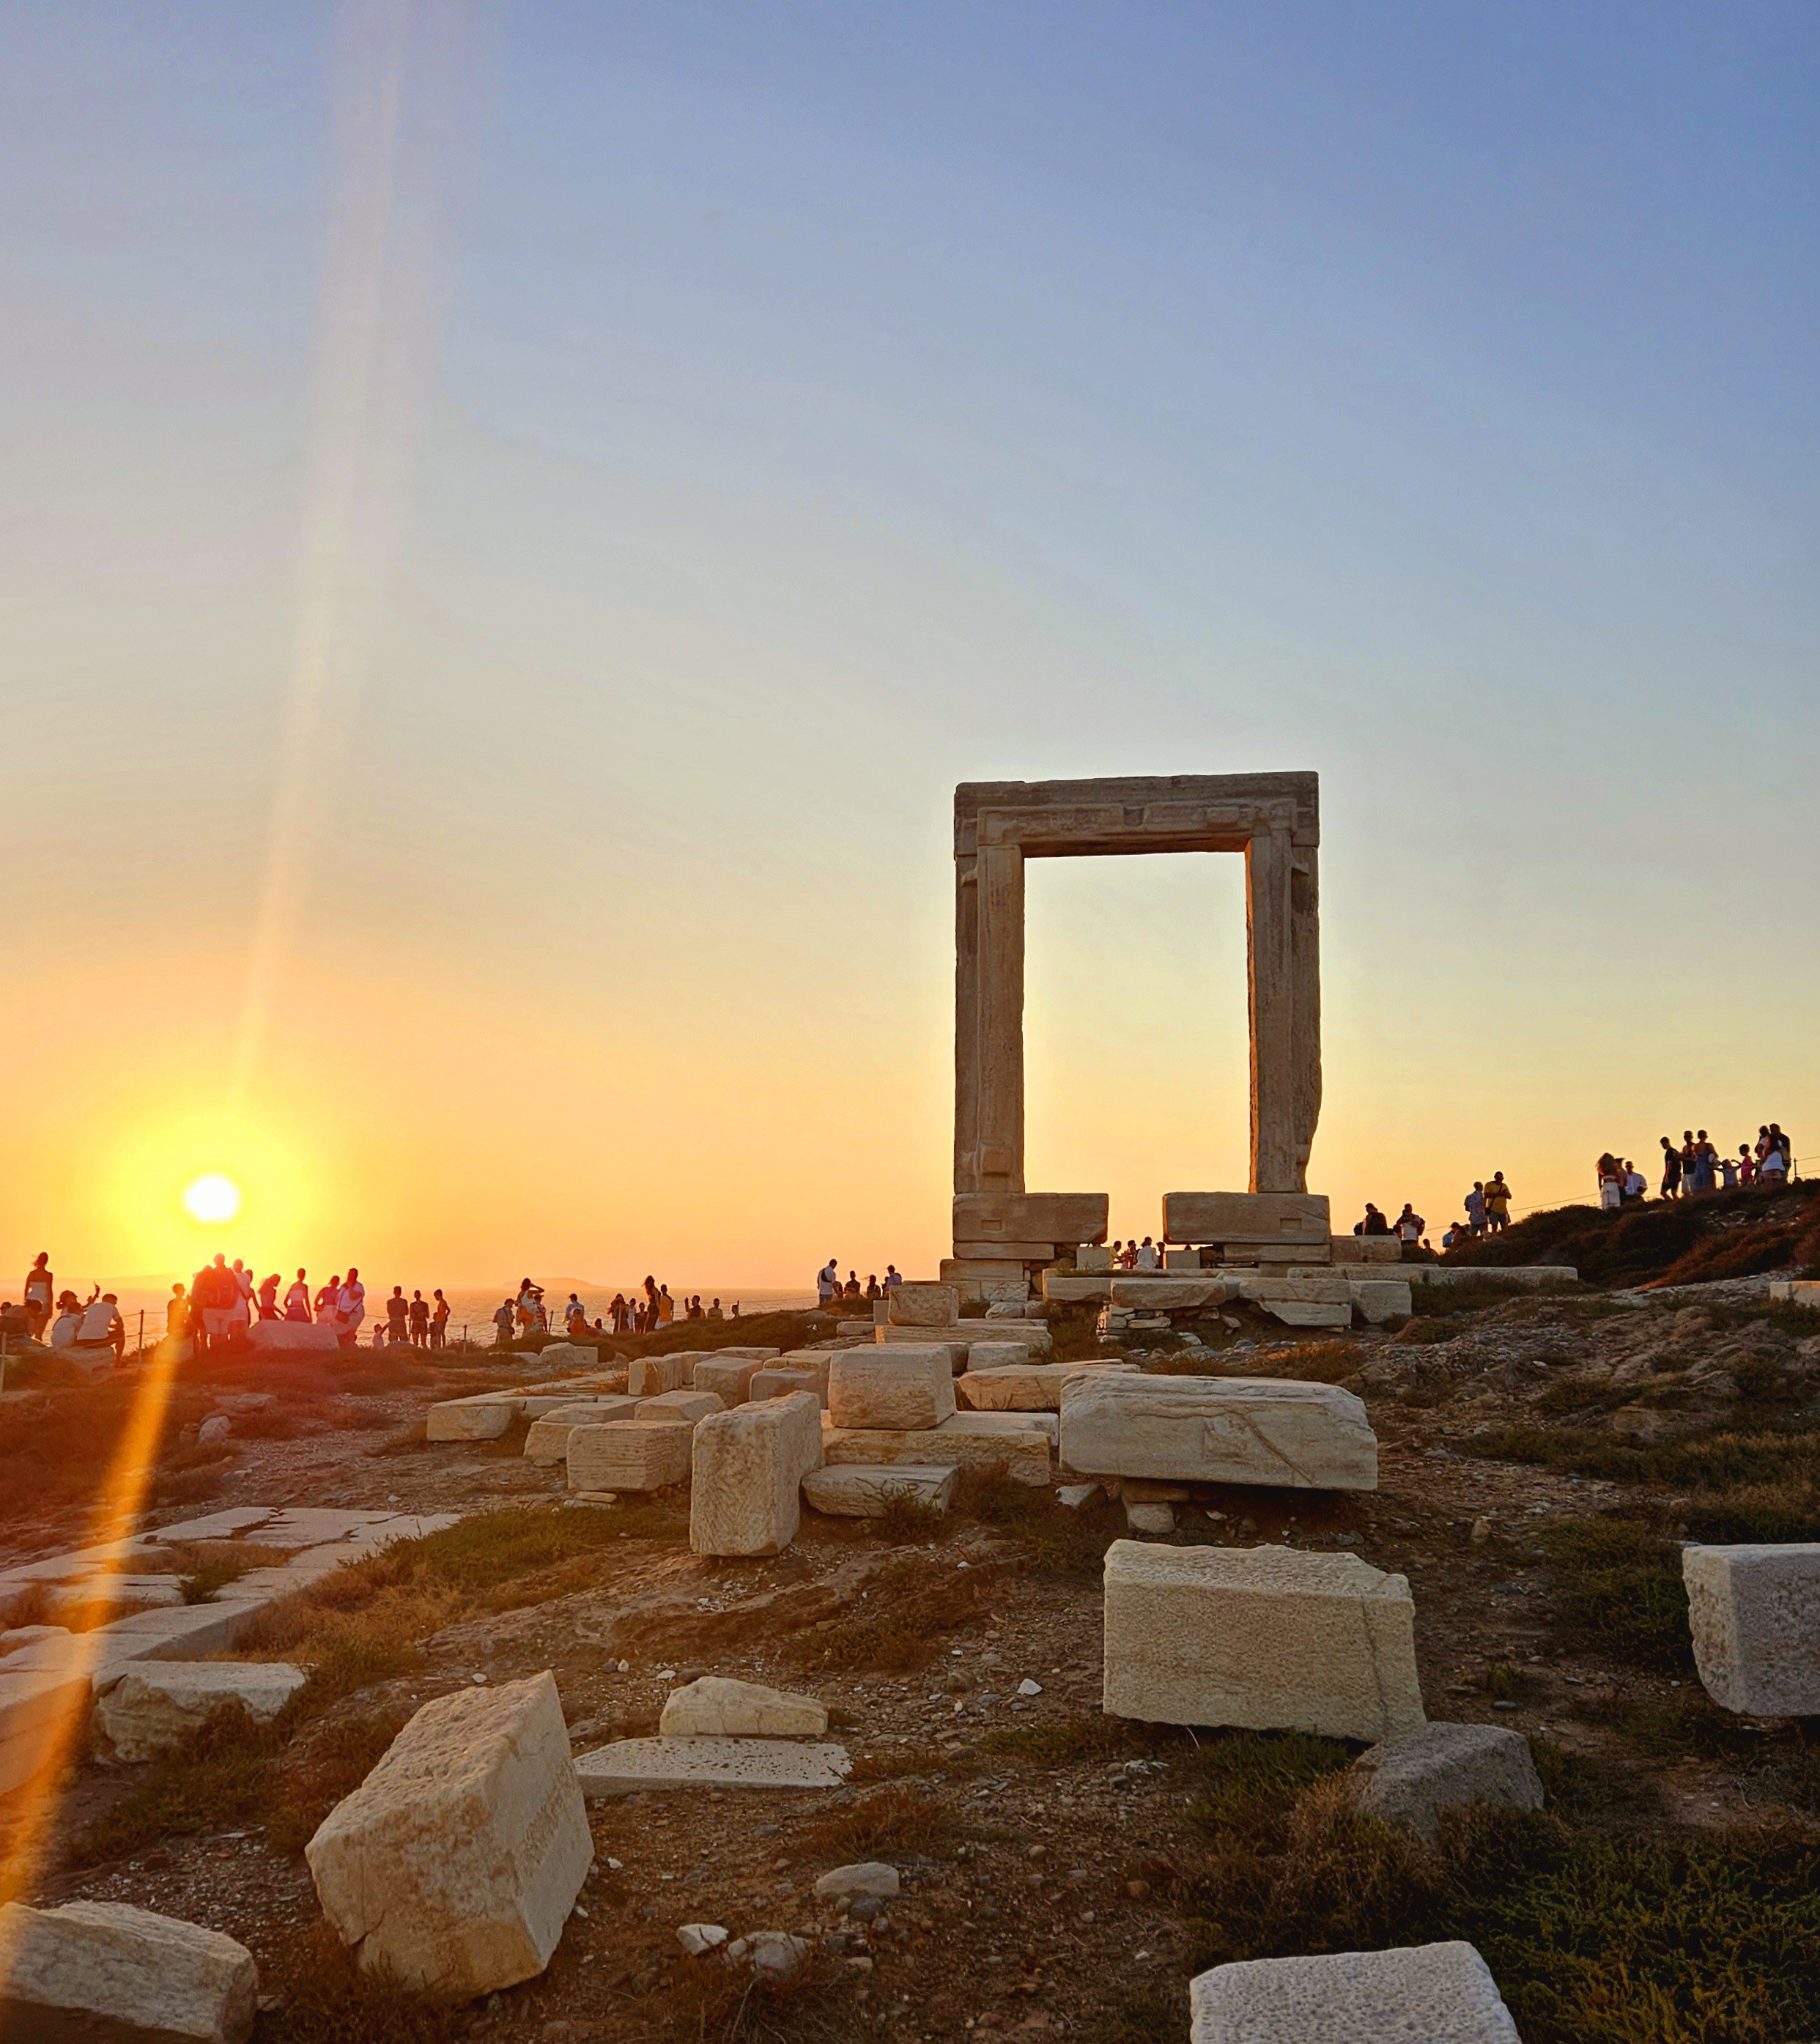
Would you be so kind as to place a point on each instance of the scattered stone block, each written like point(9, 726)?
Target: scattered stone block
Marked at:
point(650, 1376)
point(1217, 1429)
point(1077, 1497)
point(1265, 1637)
point(548, 1442)
point(870, 1877)
point(1089, 1261)
point(774, 1381)
point(1152, 1517)
point(904, 1389)
point(778, 1955)
point(748, 1467)
point(39, 1709)
point(698, 1939)
point(1365, 1248)
point(1381, 1299)
point(922, 1337)
point(728, 1378)
point(1308, 1313)
point(481, 1418)
point(1077, 1287)
point(148, 1710)
point(1022, 1387)
point(1025, 1252)
point(1024, 1456)
point(1754, 1610)
point(1411, 1779)
point(1181, 1259)
point(1439, 1994)
point(860, 1491)
point(455, 1865)
point(1000, 1424)
point(1292, 1218)
point(104, 1973)
point(630, 1766)
point(922, 1305)
point(1155, 1292)
point(1065, 1218)
point(629, 1455)
point(686, 1407)
point(719, 1707)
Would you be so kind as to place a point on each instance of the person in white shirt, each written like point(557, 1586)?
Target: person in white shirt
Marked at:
point(894, 1277)
point(1147, 1259)
point(102, 1326)
point(827, 1281)
point(242, 1305)
point(351, 1308)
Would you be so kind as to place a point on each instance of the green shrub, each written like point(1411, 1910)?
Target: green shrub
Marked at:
point(1621, 1590)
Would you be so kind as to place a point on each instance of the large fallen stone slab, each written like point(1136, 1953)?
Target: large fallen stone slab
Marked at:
point(687, 1407)
point(1161, 1291)
point(1264, 1637)
point(548, 1442)
point(1258, 1430)
point(720, 1706)
point(1077, 1287)
point(728, 1377)
point(902, 1388)
point(104, 1973)
point(1411, 1994)
point(632, 1766)
point(42, 1709)
point(1754, 1610)
point(747, 1470)
point(454, 1865)
point(1023, 1456)
point(774, 1381)
point(1411, 1779)
point(649, 1376)
point(994, 1355)
point(629, 1455)
point(1274, 1285)
point(858, 1490)
point(293, 1334)
point(1022, 1387)
point(484, 1418)
point(1296, 1219)
point(1308, 1313)
point(151, 1707)
point(1381, 1299)
point(999, 1424)
point(1370, 1249)
point(915, 1305)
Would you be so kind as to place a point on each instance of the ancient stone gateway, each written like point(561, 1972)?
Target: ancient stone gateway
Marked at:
point(1274, 820)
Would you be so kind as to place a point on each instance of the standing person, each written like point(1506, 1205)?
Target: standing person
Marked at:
point(714, 1313)
point(1774, 1169)
point(1409, 1226)
point(327, 1304)
point(1746, 1165)
point(619, 1313)
point(1475, 1207)
point(242, 1303)
point(502, 1322)
point(1785, 1145)
point(1498, 1203)
point(213, 1288)
point(574, 1318)
point(398, 1312)
point(1636, 1186)
point(827, 1283)
point(1670, 1170)
point(439, 1320)
point(268, 1295)
point(351, 1307)
point(1703, 1156)
point(666, 1306)
point(297, 1299)
point(177, 1323)
point(530, 1300)
point(419, 1320)
point(1728, 1173)
point(40, 1290)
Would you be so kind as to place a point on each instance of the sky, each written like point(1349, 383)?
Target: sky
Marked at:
point(514, 518)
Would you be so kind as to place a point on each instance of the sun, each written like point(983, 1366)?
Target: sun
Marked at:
point(212, 1199)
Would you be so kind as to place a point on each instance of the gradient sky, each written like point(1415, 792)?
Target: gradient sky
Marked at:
point(515, 521)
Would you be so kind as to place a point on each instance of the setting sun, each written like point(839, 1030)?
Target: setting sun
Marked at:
point(212, 1199)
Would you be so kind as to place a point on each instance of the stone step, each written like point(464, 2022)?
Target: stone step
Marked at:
point(635, 1766)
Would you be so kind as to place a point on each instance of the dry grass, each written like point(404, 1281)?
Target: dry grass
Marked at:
point(325, 1997)
point(895, 1820)
point(1057, 1543)
point(906, 1608)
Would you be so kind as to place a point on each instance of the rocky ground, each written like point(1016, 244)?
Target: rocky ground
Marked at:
point(1064, 1874)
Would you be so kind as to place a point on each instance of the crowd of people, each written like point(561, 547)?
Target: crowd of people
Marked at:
point(222, 1301)
point(525, 1315)
point(829, 1290)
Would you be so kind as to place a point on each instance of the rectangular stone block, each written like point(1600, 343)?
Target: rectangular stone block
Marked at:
point(858, 1490)
point(1158, 1293)
point(1381, 1298)
point(744, 1494)
point(1048, 1217)
point(981, 1271)
point(1011, 1421)
point(105, 1972)
point(919, 1337)
point(994, 1354)
point(1439, 1994)
point(1307, 1313)
point(635, 1766)
point(1093, 1262)
point(772, 1382)
point(454, 1865)
point(1269, 1638)
point(923, 1306)
point(1181, 1259)
point(728, 1378)
point(1024, 1456)
point(149, 1709)
point(629, 1455)
point(40, 1710)
point(1260, 1217)
point(1325, 1288)
point(1754, 1610)
point(548, 1442)
point(1077, 1287)
point(1259, 1430)
point(902, 1388)
point(1027, 1387)
point(1365, 1248)
point(686, 1407)
point(651, 1376)
point(482, 1419)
